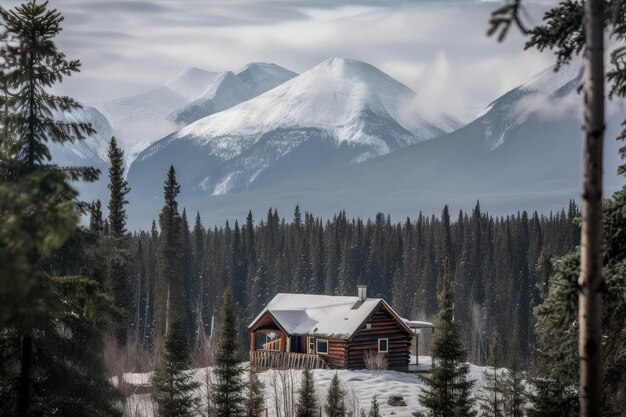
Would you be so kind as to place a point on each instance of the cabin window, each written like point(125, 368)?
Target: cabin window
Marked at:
point(322, 347)
point(383, 345)
point(311, 345)
point(368, 326)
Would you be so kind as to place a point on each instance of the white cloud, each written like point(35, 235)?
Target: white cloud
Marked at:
point(548, 107)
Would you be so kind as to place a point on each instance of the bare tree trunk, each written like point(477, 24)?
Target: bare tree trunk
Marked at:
point(591, 281)
point(23, 393)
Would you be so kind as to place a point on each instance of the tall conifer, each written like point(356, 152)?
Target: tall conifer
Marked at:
point(52, 349)
point(119, 189)
point(335, 399)
point(229, 385)
point(174, 388)
point(254, 401)
point(307, 397)
point(447, 389)
point(169, 291)
point(118, 268)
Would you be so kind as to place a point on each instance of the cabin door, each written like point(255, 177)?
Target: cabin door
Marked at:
point(296, 344)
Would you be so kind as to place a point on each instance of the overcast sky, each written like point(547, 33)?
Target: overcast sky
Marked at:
point(436, 47)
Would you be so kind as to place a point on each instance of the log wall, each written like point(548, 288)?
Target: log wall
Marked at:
point(383, 326)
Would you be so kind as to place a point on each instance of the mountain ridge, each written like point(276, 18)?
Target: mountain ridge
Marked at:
point(522, 153)
point(339, 112)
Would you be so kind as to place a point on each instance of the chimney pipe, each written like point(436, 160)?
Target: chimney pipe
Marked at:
point(362, 292)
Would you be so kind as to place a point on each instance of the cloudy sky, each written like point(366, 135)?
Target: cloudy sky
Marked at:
point(436, 47)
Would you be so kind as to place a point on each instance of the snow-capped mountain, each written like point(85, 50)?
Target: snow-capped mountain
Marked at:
point(229, 89)
point(260, 77)
point(523, 152)
point(552, 94)
point(338, 113)
point(193, 94)
point(225, 92)
point(91, 151)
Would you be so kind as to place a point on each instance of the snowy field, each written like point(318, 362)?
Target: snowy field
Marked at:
point(360, 386)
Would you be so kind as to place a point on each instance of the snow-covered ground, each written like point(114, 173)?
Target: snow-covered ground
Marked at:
point(360, 386)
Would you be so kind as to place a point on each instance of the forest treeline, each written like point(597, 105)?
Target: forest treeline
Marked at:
point(501, 265)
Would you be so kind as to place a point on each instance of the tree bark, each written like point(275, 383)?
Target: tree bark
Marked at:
point(24, 381)
point(591, 281)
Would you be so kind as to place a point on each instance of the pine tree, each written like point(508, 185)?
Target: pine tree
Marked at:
point(229, 385)
point(31, 69)
point(64, 343)
point(307, 397)
point(189, 290)
point(374, 408)
point(514, 392)
point(492, 399)
point(335, 399)
point(254, 400)
point(119, 189)
point(492, 396)
point(51, 334)
point(118, 275)
point(170, 301)
point(174, 388)
point(96, 223)
point(447, 389)
point(199, 286)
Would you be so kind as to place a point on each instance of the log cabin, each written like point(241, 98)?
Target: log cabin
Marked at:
point(314, 331)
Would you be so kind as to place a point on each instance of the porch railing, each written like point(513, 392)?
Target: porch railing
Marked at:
point(268, 359)
point(272, 345)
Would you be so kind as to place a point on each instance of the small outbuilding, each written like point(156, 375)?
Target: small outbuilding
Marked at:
point(304, 330)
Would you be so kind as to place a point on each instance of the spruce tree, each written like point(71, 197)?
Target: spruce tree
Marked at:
point(492, 396)
point(515, 393)
point(96, 224)
point(374, 408)
point(119, 189)
point(254, 402)
point(189, 290)
point(335, 399)
point(229, 386)
point(51, 336)
point(118, 268)
point(29, 76)
point(174, 388)
point(307, 396)
point(169, 291)
point(447, 390)
point(71, 354)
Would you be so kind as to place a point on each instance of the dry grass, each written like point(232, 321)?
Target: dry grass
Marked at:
point(120, 360)
point(203, 354)
point(375, 361)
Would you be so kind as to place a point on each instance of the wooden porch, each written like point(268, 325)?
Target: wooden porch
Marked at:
point(272, 359)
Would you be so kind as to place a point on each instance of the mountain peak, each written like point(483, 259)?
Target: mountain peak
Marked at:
point(549, 81)
point(260, 77)
point(339, 65)
point(192, 81)
point(354, 71)
point(260, 66)
point(342, 64)
point(347, 99)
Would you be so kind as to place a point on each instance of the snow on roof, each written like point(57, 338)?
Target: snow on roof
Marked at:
point(319, 315)
point(416, 324)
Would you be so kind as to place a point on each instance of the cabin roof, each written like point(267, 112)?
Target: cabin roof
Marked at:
point(333, 317)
